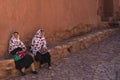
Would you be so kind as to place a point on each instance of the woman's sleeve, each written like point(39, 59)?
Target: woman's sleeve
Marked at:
point(33, 41)
point(22, 44)
point(11, 45)
point(45, 43)
point(33, 44)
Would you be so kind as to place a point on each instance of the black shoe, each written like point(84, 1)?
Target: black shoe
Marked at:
point(23, 74)
point(34, 72)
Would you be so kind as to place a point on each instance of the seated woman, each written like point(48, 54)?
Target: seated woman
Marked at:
point(39, 48)
point(21, 59)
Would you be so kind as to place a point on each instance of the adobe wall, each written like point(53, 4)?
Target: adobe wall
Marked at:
point(116, 5)
point(61, 19)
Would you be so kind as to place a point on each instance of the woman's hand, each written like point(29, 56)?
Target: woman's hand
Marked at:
point(24, 48)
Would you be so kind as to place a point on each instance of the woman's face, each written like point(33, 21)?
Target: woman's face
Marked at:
point(16, 35)
point(42, 33)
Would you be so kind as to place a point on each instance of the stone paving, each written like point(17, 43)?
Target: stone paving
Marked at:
point(100, 61)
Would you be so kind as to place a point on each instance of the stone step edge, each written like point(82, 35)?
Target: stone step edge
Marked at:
point(60, 51)
point(79, 43)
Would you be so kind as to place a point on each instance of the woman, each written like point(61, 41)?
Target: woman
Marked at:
point(21, 59)
point(39, 48)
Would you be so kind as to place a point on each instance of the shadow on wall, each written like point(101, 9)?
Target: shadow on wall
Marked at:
point(70, 32)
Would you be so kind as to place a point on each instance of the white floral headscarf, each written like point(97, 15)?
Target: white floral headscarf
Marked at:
point(38, 42)
point(15, 43)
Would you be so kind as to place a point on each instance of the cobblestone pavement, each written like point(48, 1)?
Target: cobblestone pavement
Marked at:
point(94, 63)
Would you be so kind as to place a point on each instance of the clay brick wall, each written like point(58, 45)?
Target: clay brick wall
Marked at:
point(61, 19)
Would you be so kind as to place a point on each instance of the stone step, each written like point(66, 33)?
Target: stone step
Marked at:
point(75, 44)
point(61, 50)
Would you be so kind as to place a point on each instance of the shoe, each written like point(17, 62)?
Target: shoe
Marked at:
point(23, 74)
point(34, 72)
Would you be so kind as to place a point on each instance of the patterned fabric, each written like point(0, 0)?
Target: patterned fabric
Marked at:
point(19, 55)
point(38, 42)
point(15, 43)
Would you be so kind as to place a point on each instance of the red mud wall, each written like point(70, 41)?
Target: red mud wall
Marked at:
point(57, 17)
point(116, 5)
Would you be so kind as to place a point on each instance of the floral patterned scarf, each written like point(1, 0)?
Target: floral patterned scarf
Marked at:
point(38, 42)
point(15, 43)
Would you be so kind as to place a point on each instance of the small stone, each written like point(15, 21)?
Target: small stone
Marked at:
point(58, 47)
point(33, 76)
